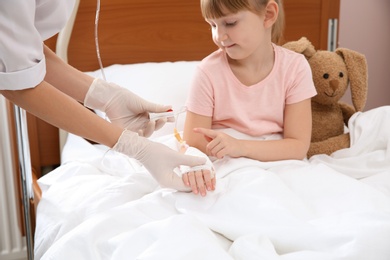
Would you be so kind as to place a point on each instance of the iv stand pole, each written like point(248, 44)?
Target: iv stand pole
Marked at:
point(25, 174)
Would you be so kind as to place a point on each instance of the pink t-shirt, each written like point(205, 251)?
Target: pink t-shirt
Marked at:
point(254, 110)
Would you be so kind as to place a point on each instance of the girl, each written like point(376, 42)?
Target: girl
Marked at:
point(250, 85)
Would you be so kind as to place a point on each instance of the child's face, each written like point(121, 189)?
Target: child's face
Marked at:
point(239, 34)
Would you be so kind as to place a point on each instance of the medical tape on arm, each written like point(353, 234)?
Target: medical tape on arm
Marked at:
point(183, 169)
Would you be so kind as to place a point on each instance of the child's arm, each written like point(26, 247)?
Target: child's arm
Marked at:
point(200, 182)
point(294, 145)
point(195, 139)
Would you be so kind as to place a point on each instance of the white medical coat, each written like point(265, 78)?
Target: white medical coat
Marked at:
point(24, 25)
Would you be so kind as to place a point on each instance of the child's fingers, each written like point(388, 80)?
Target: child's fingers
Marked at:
point(213, 182)
point(200, 182)
point(185, 179)
point(207, 133)
point(207, 180)
point(192, 181)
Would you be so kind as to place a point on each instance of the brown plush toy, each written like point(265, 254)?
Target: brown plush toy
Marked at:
point(332, 72)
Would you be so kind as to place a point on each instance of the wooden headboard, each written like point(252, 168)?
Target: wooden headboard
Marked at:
point(135, 31)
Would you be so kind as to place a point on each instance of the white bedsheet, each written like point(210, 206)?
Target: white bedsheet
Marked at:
point(329, 207)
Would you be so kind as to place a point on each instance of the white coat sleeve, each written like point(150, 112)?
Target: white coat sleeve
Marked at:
point(22, 63)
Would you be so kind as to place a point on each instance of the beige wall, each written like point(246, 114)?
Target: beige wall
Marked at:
point(365, 27)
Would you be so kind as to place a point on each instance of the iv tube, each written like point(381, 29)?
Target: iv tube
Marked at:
point(97, 40)
point(176, 134)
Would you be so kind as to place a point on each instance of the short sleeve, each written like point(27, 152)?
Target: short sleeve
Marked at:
point(303, 86)
point(22, 63)
point(200, 99)
point(24, 25)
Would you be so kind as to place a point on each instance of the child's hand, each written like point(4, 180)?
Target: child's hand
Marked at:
point(220, 144)
point(200, 181)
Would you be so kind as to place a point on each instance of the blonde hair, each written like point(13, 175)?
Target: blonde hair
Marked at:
point(214, 9)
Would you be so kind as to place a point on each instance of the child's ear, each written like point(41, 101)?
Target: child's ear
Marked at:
point(271, 14)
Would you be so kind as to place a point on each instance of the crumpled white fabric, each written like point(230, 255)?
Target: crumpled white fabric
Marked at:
point(369, 152)
point(329, 207)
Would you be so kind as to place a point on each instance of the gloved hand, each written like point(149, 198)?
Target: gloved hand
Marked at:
point(124, 108)
point(157, 158)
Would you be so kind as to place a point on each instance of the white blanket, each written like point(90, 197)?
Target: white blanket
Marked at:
point(328, 207)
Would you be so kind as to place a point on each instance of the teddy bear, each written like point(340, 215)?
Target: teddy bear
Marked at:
point(333, 72)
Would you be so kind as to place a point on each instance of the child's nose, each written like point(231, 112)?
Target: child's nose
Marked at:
point(221, 34)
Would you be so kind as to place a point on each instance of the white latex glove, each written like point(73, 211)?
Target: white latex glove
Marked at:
point(125, 108)
point(158, 159)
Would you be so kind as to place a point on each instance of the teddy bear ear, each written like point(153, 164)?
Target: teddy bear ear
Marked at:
point(356, 64)
point(303, 46)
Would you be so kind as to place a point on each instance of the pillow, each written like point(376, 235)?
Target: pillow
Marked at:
point(160, 82)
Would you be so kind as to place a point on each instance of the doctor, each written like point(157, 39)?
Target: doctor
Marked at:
point(34, 78)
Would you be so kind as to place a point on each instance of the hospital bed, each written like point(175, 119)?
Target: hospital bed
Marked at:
point(102, 205)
